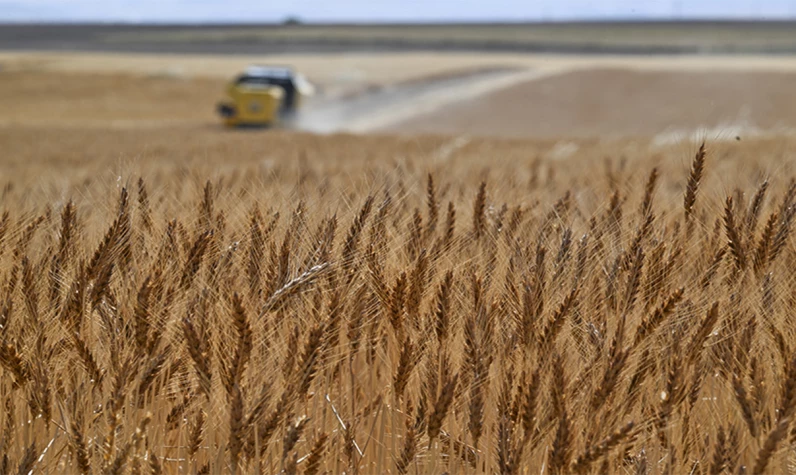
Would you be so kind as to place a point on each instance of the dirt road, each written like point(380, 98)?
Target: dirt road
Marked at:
point(390, 105)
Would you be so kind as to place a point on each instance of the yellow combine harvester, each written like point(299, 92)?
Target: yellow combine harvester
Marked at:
point(264, 96)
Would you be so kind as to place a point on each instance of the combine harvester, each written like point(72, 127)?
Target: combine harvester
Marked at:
point(264, 96)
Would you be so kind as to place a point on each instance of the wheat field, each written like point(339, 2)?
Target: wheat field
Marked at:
point(384, 305)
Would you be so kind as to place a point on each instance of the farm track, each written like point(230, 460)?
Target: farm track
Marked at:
point(379, 109)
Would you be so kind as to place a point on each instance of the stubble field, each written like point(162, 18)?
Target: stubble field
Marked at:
point(178, 298)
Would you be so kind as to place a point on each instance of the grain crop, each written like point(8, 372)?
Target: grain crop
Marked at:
point(385, 305)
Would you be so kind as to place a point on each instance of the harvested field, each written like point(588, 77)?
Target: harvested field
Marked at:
point(622, 102)
point(554, 101)
point(336, 75)
point(344, 73)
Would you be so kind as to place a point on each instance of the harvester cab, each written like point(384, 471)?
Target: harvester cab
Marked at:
point(264, 96)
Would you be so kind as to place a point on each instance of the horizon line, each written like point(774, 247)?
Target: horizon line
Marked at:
point(376, 22)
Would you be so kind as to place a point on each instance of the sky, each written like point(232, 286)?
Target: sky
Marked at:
point(386, 10)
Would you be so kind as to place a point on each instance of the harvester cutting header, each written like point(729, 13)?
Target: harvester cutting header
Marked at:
point(264, 96)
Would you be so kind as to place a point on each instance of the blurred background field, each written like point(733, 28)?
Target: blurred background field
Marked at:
point(480, 94)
